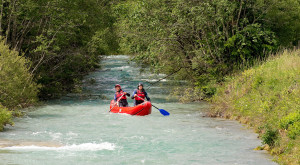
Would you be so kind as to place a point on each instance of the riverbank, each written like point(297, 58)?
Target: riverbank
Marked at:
point(19, 88)
point(266, 97)
point(17, 143)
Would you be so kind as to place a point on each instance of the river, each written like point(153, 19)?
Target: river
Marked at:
point(79, 129)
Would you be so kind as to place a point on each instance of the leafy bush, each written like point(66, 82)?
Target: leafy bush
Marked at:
point(249, 44)
point(270, 136)
point(294, 130)
point(292, 124)
point(5, 117)
point(17, 88)
point(289, 120)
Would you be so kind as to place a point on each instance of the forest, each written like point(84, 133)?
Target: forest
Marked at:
point(206, 40)
point(48, 46)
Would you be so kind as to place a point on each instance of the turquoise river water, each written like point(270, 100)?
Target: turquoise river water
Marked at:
point(79, 130)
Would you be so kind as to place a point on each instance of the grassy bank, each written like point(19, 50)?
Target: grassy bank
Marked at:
point(267, 98)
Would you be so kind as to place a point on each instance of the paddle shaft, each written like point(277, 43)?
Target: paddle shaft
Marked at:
point(162, 111)
point(154, 106)
point(151, 103)
point(116, 102)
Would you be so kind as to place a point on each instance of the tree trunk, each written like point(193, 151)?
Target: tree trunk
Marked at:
point(1, 16)
point(239, 15)
point(12, 2)
point(14, 31)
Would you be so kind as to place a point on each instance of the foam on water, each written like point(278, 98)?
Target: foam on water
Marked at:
point(117, 57)
point(73, 147)
point(154, 80)
point(120, 68)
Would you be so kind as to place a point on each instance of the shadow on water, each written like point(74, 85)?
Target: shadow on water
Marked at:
point(41, 116)
point(8, 152)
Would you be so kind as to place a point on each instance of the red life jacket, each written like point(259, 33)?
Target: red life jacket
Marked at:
point(140, 94)
point(119, 94)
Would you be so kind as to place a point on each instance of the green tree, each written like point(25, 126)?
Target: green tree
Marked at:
point(63, 39)
point(204, 39)
point(283, 18)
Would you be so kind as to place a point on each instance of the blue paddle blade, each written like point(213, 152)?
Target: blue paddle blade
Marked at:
point(164, 112)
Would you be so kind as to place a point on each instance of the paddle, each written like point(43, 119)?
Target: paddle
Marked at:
point(116, 102)
point(162, 111)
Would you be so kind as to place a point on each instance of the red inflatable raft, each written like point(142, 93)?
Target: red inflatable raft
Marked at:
point(140, 110)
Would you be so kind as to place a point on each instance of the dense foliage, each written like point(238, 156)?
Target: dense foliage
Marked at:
point(267, 97)
point(48, 46)
point(17, 88)
point(205, 39)
point(62, 38)
point(5, 117)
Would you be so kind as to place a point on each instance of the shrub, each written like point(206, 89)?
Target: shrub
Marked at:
point(270, 136)
point(17, 88)
point(294, 130)
point(5, 117)
point(289, 120)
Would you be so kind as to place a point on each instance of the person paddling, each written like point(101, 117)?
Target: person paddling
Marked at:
point(139, 95)
point(120, 93)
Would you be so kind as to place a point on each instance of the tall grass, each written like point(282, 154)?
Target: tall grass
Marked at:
point(267, 97)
